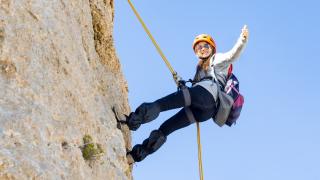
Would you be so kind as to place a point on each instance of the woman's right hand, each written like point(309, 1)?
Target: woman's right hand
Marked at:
point(245, 32)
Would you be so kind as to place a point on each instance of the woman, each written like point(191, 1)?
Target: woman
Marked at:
point(203, 94)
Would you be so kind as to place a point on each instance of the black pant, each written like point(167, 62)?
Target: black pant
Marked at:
point(202, 106)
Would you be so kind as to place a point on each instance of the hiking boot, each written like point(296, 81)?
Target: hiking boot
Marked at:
point(140, 151)
point(145, 113)
point(132, 121)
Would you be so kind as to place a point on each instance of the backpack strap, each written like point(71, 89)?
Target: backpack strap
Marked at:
point(230, 69)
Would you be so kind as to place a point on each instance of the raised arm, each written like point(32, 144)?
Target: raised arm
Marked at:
point(230, 56)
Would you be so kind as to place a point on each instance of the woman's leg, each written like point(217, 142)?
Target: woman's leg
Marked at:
point(146, 112)
point(158, 137)
point(181, 120)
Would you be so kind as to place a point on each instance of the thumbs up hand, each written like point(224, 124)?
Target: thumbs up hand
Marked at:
point(245, 32)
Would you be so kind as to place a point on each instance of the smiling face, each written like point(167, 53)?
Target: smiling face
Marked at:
point(203, 50)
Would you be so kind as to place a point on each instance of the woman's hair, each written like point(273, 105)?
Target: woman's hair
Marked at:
point(204, 64)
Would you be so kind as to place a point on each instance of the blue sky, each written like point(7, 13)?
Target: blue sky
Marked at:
point(277, 135)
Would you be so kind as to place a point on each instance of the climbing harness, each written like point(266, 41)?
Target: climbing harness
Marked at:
point(177, 80)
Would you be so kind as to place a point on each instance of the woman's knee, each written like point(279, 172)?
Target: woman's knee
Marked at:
point(148, 112)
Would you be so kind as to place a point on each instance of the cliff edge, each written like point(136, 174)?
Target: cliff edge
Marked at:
point(60, 82)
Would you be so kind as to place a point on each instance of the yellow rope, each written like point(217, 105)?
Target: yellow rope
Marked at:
point(199, 152)
point(175, 78)
point(152, 39)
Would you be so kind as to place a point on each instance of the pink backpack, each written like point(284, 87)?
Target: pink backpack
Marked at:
point(232, 89)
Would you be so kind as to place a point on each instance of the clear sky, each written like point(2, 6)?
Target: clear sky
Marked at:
point(278, 134)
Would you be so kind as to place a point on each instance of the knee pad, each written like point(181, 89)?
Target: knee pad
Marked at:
point(149, 146)
point(148, 112)
point(155, 141)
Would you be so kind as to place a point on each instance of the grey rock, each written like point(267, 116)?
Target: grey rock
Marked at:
point(59, 80)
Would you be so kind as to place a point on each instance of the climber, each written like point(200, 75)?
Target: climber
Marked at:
point(203, 96)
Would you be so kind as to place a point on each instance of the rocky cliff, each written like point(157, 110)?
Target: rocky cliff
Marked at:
point(60, 87)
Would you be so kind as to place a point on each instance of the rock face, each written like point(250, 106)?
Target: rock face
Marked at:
point(60, 80)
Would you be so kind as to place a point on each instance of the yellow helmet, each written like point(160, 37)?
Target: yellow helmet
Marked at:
point(206, 38)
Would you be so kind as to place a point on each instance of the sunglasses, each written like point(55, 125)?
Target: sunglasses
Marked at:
point(199, 47)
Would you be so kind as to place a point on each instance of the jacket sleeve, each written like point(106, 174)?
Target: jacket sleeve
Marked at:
point(232, 55)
